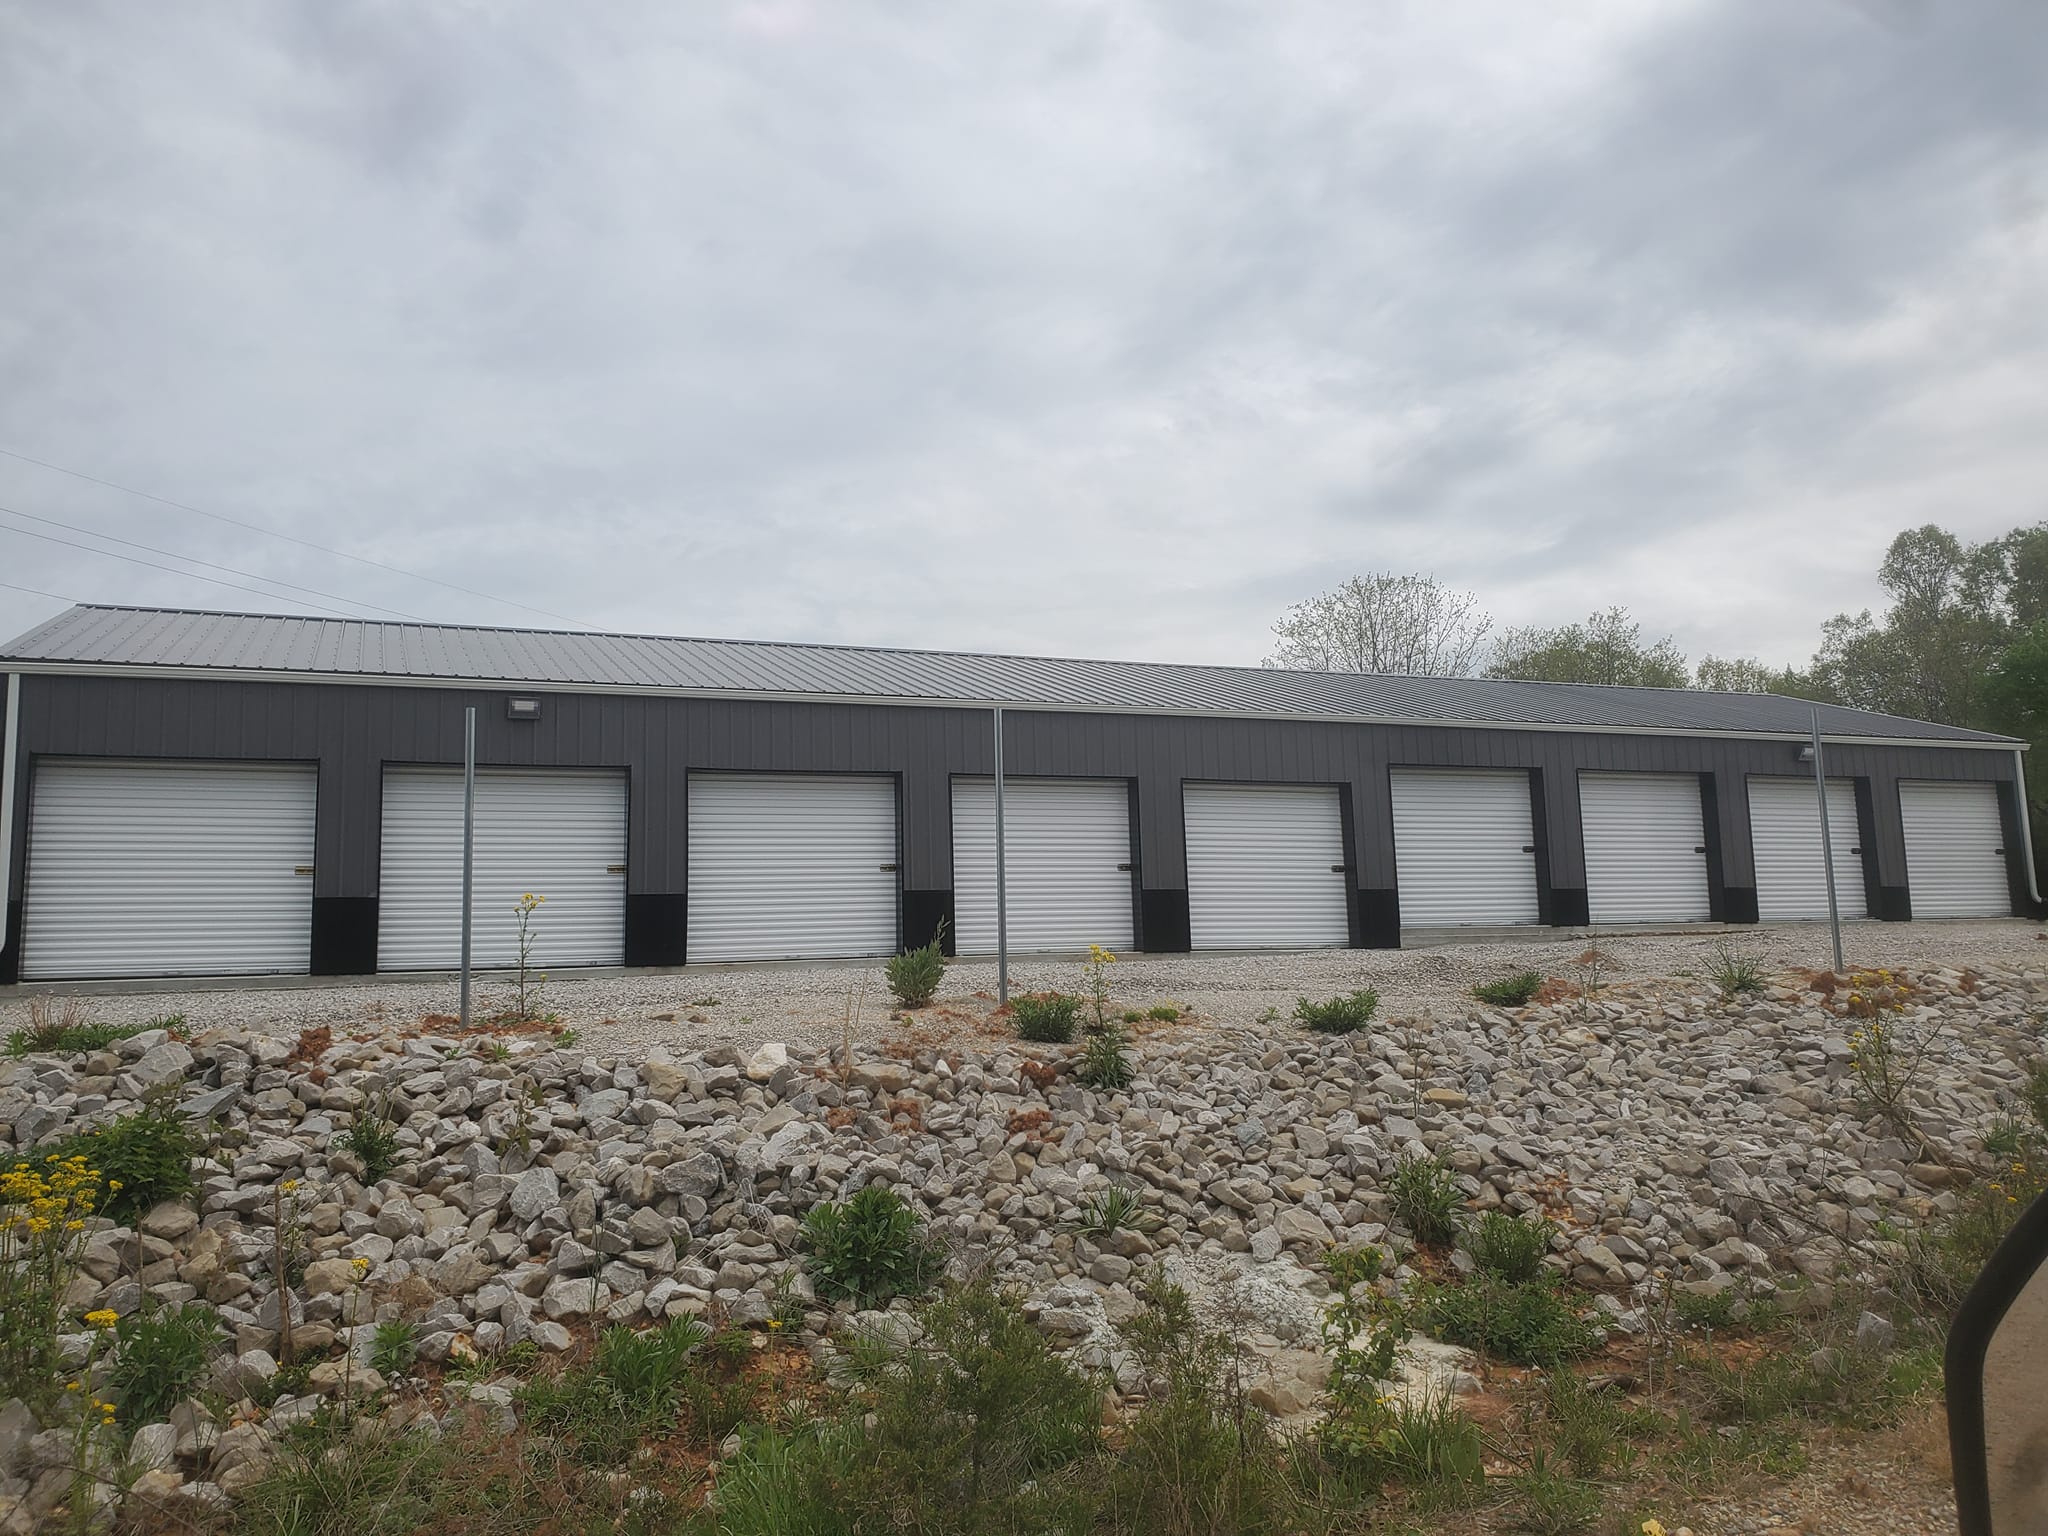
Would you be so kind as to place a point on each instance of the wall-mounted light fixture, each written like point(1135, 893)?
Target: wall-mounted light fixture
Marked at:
point(1806, 753)
point(522, 709)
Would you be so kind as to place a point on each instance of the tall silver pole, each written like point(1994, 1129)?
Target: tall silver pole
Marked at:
point(1002, 879)
point(468, 842)
point(1827, 843)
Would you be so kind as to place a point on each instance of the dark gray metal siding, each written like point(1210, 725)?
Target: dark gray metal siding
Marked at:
point(353, 731)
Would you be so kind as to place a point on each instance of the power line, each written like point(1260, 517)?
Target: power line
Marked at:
point(172, 554)
point(35, 591)
point(289, 538)
point(30, 533)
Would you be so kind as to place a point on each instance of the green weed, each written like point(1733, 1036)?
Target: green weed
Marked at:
point(914, 975)
point(1345, 1014)
point(1509, 991)
point(1426, 1199)
point(869, 1248)
point(1508, 1247)
point(1046, 1017)
point(159, 1356)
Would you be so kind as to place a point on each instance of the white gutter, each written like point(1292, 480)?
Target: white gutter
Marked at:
point(8, 739)
point(904, 701)
point(2019, 773)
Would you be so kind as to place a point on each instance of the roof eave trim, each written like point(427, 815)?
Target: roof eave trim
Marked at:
point(904, 701)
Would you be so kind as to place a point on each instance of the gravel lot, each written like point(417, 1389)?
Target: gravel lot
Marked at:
point(803, 1005)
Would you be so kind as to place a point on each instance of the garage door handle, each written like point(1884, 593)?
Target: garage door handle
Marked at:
point(302, 869)
point(1528, 847)
point(1123, 869)
point(615, 869)
point(1336, 869)
point(1700, 848)
point(887, 869)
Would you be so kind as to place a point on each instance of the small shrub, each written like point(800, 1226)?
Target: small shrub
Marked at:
point(1164, 1013)
point(1104, 1063)
point(1045, 1017)
point(869, 1248)
point(373, 1140)
point(1736, 975)
point(145, 1158)
point(1549, 1501)
point(1426, 1199)
point(1340, 1015)
point(1509, 1247)
point(1132, 1016)
point(1705, 1309)
point(1529, 1323)
point(1197, 1459)
point(159, 1356)
point(2036, 1095)
point(393, 1349)
point(914, 975)
point(1115, 1209)
point(1509, 991)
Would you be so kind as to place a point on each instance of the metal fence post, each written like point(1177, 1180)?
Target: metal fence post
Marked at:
point(1002, 879)
point(468, 842)
point(1827, 843)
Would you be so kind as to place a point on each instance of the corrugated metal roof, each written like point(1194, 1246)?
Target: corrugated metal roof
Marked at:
point(91, 636)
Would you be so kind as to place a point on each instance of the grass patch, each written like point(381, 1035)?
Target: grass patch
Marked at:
point(1508, 1247)
point(1345, 1014)
point(1737, 975)
point(1046, 1017)
point(159, 1356)
point(1530, 1323)
point(1426, 1199)
point(1509, 991)
point(372, 1139)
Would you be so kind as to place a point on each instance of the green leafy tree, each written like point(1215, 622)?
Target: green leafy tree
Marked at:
point(1947, 623)
point(1745, 674)
point(1607, 648)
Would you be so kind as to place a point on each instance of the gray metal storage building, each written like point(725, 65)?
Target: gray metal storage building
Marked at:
point(214, 793)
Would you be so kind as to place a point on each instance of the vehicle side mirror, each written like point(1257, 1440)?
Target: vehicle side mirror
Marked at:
point(1997, 1369)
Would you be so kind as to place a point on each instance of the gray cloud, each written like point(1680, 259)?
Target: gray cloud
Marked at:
point(1070, 327)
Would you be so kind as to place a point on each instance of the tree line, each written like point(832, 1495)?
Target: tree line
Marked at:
point(1962, 639)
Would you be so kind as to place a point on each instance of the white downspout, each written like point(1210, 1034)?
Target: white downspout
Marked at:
point(7, 756)
point(2019, 773)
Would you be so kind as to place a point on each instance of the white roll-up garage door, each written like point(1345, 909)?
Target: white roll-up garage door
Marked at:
point(1955, 849)
point(168, 869)
point(1646, 858)
point(1266, 867)
point(559, 833)
point(1464, 847)
point(1784, 831)
point(791, 866)
point(1067, 863)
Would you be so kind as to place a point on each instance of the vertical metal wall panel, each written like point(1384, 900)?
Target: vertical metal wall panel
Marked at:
point(791, 866)
point(559, 833)
point(1464, 847)
point(1955, 850)
point(352, 730)
point(1067, 847)
point(1644, 841)
point(1791, 874)
point(1266, 867)
point(168, 869)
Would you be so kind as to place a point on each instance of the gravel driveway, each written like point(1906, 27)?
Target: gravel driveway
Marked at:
point(804, 1004)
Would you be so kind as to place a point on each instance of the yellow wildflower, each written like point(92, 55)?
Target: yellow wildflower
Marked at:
point(105, 1317)
point(360, 1266)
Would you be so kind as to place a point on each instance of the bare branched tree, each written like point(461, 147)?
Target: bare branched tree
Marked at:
point(1381, 622)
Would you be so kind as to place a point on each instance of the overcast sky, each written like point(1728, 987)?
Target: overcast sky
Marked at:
point(1065, 326)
